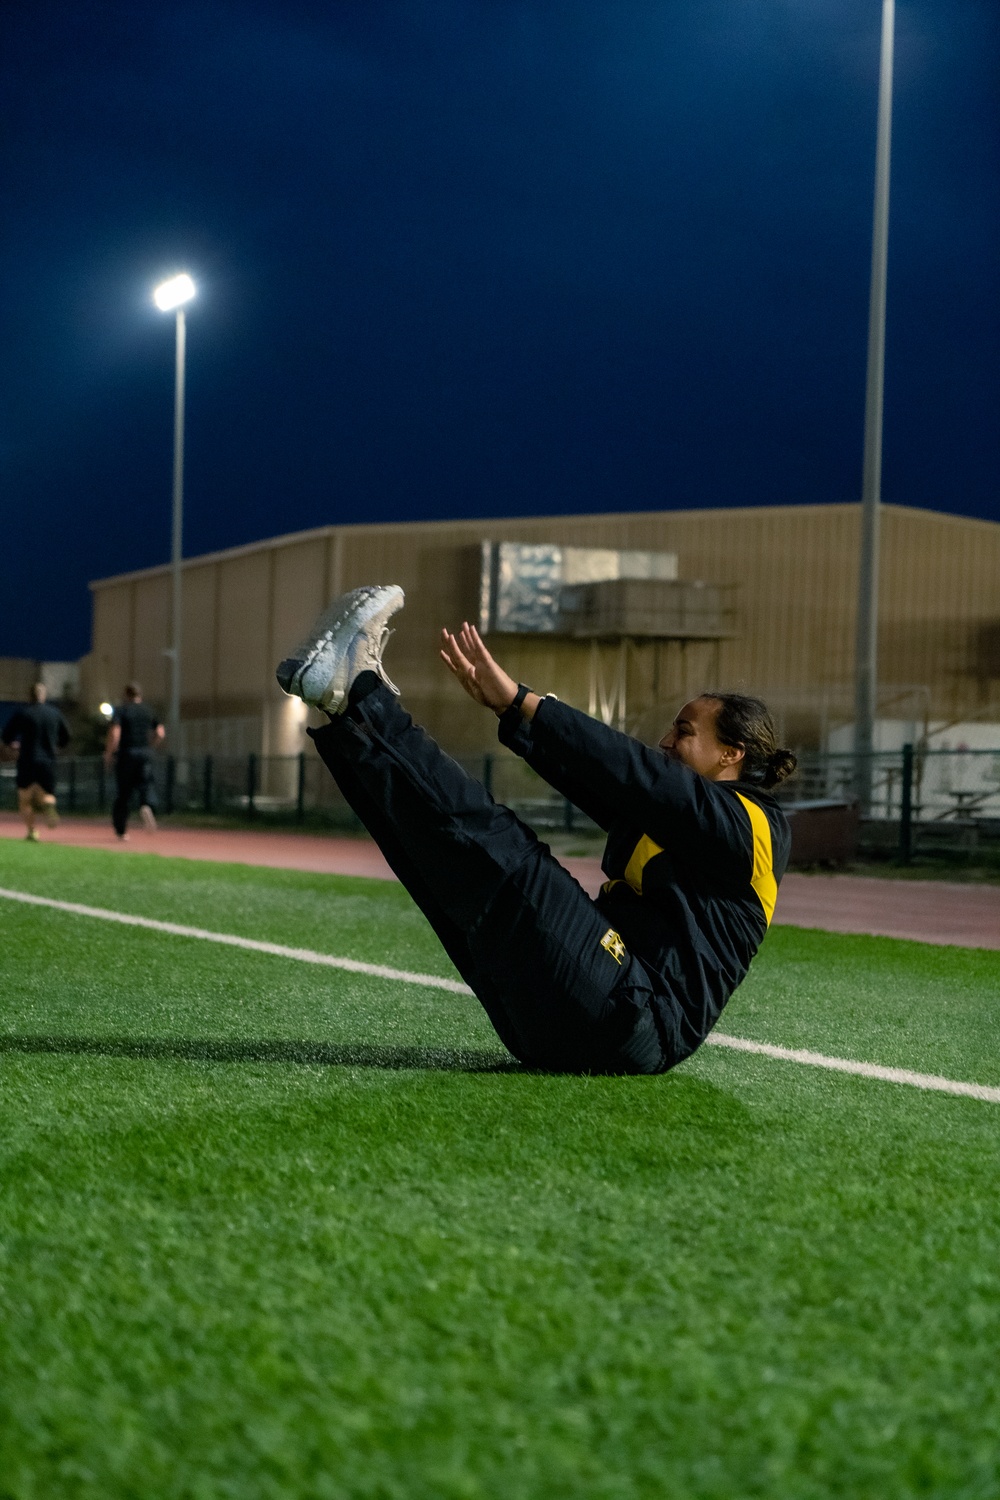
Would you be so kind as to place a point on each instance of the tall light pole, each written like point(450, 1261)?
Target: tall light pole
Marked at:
point(172, 296)
point(866, 669)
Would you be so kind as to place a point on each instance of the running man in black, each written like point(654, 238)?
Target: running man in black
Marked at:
point(133, 730)
point(39, 732)
point(629, 983)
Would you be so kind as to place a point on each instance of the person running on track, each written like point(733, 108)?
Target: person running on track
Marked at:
point(131, 733)
point(39, 732)
point(631, 982)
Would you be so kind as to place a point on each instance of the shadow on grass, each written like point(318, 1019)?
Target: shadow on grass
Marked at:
point(325, 1054)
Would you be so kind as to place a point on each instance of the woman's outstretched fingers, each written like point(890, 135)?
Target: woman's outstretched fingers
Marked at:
point(464, 654)
point(452, 654)
point(496, 686)
point(466, 647)
point(460, 666)
point(472, 645)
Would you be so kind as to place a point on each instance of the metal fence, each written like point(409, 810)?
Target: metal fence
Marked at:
point(912, 800)
point(281, 789)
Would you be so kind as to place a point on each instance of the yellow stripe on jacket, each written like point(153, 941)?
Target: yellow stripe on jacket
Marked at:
point(762, 880)
point(644, 851)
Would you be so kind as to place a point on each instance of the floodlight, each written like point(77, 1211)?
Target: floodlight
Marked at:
point(174, 293)
point(170, 296)
point(106, 710)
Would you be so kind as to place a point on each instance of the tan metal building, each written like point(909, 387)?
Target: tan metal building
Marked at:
point(18, 674)
point(790, 573)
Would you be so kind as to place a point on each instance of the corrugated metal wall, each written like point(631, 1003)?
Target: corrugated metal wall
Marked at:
point(17, 675)
point(793, 570)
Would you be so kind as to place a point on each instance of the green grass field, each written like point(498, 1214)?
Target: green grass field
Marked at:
point(270, 1230)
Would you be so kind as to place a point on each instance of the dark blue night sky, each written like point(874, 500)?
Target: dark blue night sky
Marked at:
point(477, 258)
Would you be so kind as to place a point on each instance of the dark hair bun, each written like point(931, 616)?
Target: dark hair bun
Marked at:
point(780, 765)
point(745, 724)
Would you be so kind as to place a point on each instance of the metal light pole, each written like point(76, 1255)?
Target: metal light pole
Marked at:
point(866, 670)
point(171, 295)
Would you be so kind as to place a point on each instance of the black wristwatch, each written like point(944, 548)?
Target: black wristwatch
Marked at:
point(518, 698)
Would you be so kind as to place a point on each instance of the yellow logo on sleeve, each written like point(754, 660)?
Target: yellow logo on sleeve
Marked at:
point(614, 945)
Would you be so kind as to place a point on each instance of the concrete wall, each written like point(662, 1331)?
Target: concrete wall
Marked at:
point(793, 570)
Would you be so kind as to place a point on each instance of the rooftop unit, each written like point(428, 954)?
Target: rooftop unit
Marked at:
point(596, 593)
point(654, 608)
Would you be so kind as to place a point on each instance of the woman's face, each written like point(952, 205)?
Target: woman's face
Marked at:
point(691, 740)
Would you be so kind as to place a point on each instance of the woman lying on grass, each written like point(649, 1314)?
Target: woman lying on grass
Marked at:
point(630, 983)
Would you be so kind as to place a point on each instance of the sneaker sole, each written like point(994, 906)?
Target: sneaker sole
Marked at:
point(317, 672)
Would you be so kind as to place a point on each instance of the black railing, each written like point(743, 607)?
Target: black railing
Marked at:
point(910, 801)
point(920, 800)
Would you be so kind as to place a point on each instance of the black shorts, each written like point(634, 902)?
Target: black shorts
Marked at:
point(37, 773)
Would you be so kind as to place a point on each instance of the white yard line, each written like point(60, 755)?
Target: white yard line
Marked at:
point(863, 1069)
point(456, 987)
point(304, 955)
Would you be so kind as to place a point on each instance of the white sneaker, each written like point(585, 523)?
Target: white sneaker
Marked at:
point(347, 639)
point(147, 818)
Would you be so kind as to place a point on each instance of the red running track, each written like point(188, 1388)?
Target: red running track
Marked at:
point(928, 911)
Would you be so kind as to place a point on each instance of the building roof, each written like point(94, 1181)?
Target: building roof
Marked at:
point(483, 525)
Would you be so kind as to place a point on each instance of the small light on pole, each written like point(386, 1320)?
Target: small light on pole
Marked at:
point(171, 296)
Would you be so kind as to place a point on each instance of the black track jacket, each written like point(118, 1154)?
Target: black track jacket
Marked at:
point(693, 865)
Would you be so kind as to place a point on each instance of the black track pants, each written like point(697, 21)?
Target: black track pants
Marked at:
point(522, 933)
point(133, 773)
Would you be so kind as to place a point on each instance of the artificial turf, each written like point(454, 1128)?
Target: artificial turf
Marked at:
point(269, 1230)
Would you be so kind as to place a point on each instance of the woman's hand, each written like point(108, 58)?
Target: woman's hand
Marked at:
point(483, 679)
